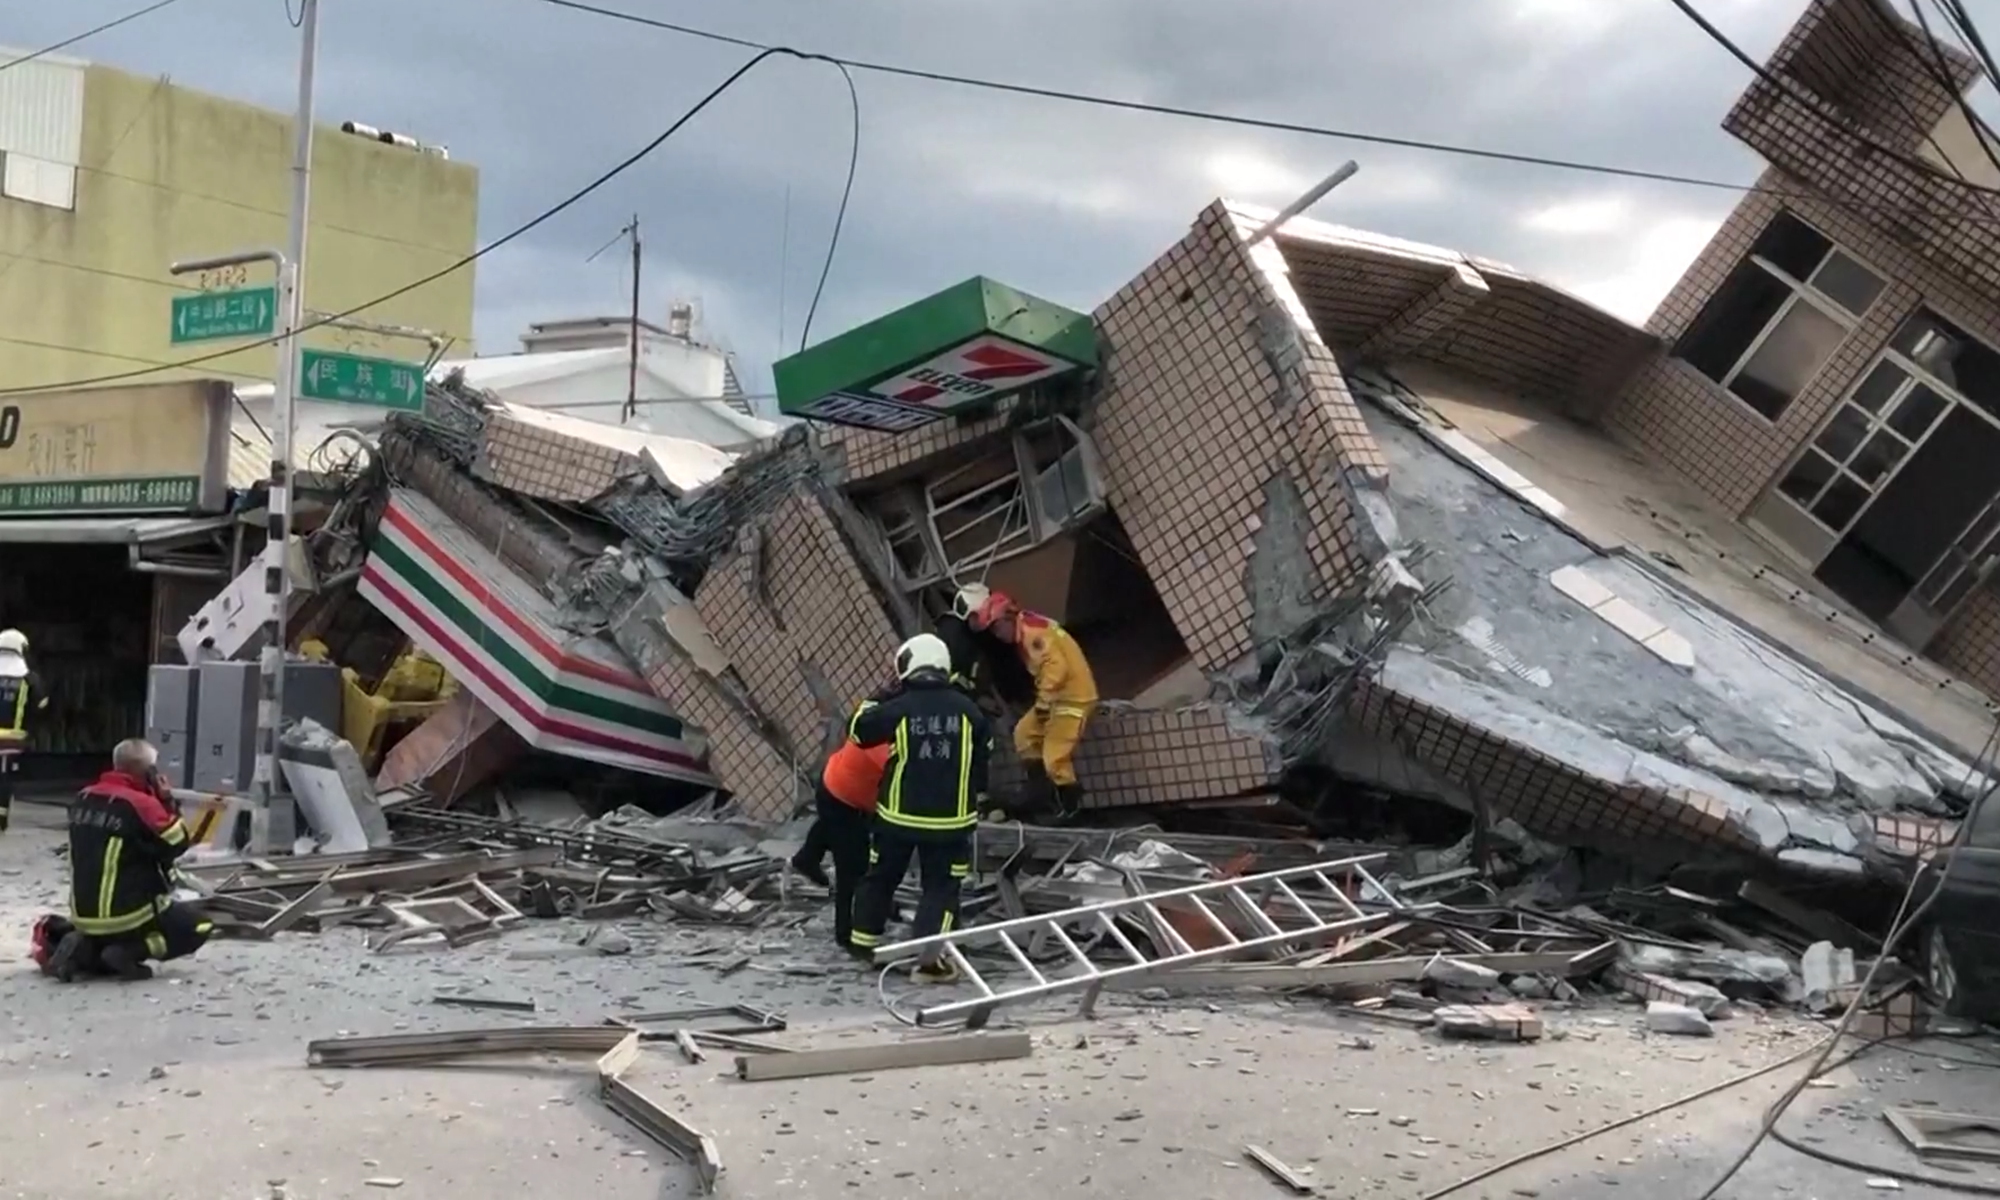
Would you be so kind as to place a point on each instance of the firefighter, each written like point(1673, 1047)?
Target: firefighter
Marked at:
point(21, 692)
point(929, 801)
point(124, 836)
point(963, 645)
point(843, 803)
point(1065, 692)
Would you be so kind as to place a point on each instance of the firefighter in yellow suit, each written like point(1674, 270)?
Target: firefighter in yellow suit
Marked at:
point(1065, 690)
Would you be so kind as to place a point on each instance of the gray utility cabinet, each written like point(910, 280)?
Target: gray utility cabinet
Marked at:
point(225, 743)
point(170, 711)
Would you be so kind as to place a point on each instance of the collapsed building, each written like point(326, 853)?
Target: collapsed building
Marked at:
point(1353, 530)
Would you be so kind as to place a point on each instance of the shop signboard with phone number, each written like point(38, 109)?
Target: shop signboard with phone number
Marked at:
point(158, 448)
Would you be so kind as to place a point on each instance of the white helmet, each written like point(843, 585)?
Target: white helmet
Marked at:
point(969, 600)
point(924, 652)
point(13, 641)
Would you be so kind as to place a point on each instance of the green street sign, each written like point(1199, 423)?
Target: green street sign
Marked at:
point(245, 312)
point(355, 379)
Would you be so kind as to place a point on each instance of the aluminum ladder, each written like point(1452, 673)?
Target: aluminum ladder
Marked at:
point(1310, 900)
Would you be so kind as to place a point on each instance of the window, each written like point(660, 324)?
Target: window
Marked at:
point(956, 522)
point(1964, 563)
point(37, 181)
point(1779, 316)
point(1861, 445)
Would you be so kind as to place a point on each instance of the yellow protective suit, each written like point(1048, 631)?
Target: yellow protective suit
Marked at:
point(1065, 695)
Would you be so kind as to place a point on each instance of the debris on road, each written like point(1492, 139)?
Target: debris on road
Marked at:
point(1277, 1169)
point(1662, 1017)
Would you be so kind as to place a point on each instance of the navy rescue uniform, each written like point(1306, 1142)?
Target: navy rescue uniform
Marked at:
point(929, 801)
point(124, 837)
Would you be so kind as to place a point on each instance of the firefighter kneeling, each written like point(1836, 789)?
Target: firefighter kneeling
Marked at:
point(124, 836)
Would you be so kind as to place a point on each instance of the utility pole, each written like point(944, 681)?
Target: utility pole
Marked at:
point(284, 409)
point(632, 368)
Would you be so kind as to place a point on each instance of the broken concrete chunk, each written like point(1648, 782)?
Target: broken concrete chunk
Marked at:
point(1662, 1017)
point(1824, 971)
point(1714, 964)
point(1490, 1022)
point(1452, 972)
point(1701, 997)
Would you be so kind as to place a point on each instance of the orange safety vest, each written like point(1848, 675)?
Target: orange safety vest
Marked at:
point(853, 774)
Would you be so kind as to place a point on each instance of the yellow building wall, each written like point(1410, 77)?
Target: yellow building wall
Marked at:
point(167, 173)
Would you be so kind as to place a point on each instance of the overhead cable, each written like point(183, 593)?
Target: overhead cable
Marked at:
point(514, 234)
point(67, 42)
point(1801, 97)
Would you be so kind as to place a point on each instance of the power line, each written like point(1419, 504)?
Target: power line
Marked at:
point(1168, 110)
point(1939, 68)
point(512, 235)
point(1217, 118)
point(1797, 96)
point(840, 215)
point(88, 33)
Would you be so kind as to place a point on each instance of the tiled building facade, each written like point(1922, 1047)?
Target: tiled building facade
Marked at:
point(1791, 403)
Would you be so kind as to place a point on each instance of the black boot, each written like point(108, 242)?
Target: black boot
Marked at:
point(1037, 793)
point(63, 959)
point(125, 961)
point(1069, 802)
point(810, 870)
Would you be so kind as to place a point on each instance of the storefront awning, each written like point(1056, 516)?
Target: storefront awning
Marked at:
point(105, 531)
point(564, 692)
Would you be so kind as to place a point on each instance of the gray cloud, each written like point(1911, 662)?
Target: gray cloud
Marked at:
point(1060, 199)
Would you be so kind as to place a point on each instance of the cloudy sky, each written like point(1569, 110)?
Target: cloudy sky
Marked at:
point(1061, 199)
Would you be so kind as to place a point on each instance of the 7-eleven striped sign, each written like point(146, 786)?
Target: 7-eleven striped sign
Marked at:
point(984, 366)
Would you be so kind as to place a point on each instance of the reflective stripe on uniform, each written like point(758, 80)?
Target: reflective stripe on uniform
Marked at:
point(965, 770)
point(20, 721)
point(107, 878)
point(204, 928)
point(123, 923)
point(892, 808)
point(156, 945)
point(860, 708)
point(862, 938)
point(175, 833)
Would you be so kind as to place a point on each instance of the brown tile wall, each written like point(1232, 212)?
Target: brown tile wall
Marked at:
point(1133, 757)
point(1537, 342)
point(1352, 293)
point(813, 610)
point(1423, 318)
point(1481, 318)
point(1723, 447)
point(1969, 644)
point(546, 464)
point(766, 784)
point(1215, 385)
point(1865, 65)
point(1548, 797)
point(1953, 225)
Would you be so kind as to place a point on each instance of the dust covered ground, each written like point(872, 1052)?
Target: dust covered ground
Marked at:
point(193, 1086)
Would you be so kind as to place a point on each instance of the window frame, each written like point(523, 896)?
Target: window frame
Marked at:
point(1801, 291)
point(1915, 374)
point(1025, 523)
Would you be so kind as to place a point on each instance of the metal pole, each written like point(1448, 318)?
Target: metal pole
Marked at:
point(278, 534)
point(632, 368)
point(1341, 174)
